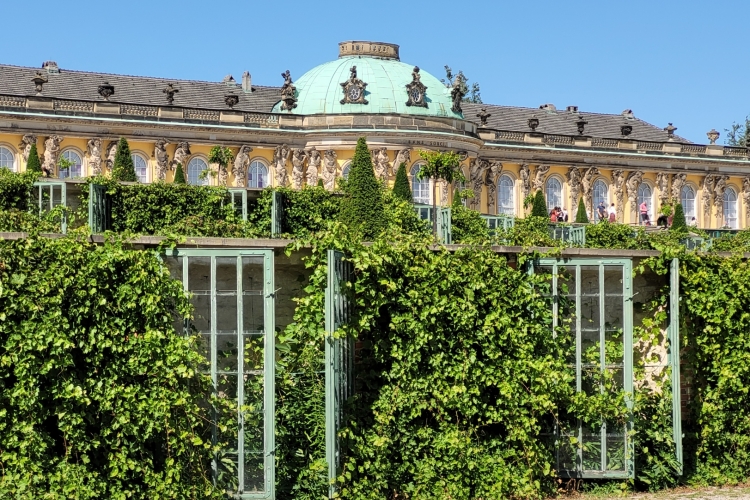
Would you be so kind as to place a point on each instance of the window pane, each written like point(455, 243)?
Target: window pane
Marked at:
point(141, 169)
point(505, 196)
point(644, 195)
point(420, 188)
point(554, 193)
point(687, 198)
point(195, 168)
point(75, 170)
point(730, 208)
point(601, 195)
point(258, 175)
point(7, 159)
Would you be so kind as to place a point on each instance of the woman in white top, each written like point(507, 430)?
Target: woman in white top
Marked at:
point(612, 213)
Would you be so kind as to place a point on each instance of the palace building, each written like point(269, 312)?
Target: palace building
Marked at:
point(307, 128)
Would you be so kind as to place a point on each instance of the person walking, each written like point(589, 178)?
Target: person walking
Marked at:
point(602, 210)
point(553, 215)
point(612, 213)
point(644, 214)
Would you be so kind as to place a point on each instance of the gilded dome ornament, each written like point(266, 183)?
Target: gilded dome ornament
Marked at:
point(416, 90)
point(354, 89)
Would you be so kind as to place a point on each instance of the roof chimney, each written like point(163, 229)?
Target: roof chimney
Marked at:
point(628, 113)
point(548, 107)
point(247, 82)
point(50, 66)
point(572, 109)
point(228, 80)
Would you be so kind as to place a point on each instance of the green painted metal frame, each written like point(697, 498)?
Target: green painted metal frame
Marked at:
point(48, 188)
point(627, 324)
point(674, 358)
point(495, 222)
point(238, 198)
point(277, 213)
point(269, 351)
point(339, 358)
point(100, 209)
point(445, 232)
point(573, 235)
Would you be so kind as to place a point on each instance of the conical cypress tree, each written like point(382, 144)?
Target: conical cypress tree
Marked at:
point(401, 187)
point(123, 168)
point(581, 216)
point(179, 175)
point(539, 208)
point(679, 225)
point(363, 206)
point(33, 164)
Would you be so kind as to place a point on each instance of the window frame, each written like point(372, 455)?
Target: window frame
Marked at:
point(82, 164)
point(144, 157)
point(207, 180)
point(511, 209)
point(650, 203)
point(694, 213)
point(727, 204)
point(426, 183)
point(13, 157)
point(252, 166)
point(559, 203)
point(595, 201)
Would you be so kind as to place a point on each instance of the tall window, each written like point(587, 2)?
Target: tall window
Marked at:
point(7, 159)
point(420, 188)
point(601, 194)
point(195, 167)
point(687, 198)
point(505, 195)
point(730, 208)
point(460, 186)
point(553, 190)
point(345, 170)
point(141, 167)
point(76, 169)
point(257, 176)
point(644, 195)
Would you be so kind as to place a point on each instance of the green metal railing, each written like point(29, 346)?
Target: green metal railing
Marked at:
point(572, 235)
point(499, 222)
point(444, 223)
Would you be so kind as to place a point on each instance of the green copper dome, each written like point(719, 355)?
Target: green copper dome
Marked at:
point(319, 91)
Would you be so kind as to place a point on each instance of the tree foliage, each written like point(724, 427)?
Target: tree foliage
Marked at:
point(123, 168)
point(471, 94)
point(363, 207)
point(738, 135)
point(179, 175)
point(401, 186)
point(581, 215)
point(679, 225)
point(539, 206)
point(34, 164)
point(101, 397)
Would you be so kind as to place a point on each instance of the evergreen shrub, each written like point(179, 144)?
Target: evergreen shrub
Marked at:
point(581, 215)
point(123, 168)
point(539, 207)
point(363, 208)
point(401, 187)
point(679, 225)
point(179, 175)
point(34, 164)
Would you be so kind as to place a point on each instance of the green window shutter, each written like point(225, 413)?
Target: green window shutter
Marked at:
point(674, 357)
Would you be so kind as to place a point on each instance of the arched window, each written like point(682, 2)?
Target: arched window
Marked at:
point(257, 176)
point(7, 159)
point(505, 204)
point(687, 198)
point(194, 169)
point(644, 195)
point(345, 170)
point(601, 195)
point(730, 208)
point(460, 186)
point(75, 170)
point(553, 190)
point(420, 188)
point(141, 167)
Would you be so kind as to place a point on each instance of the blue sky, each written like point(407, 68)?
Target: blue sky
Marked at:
point(683, 61)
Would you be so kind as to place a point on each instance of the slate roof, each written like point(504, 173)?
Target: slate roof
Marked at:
point(563, 122)
point(143, 90)
point(83, 86)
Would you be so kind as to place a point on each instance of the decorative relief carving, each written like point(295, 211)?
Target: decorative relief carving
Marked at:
point(280, 157)
point(746, 195)
point(25, 146)
point(483, 115)
point(94, 153)
point(416, 90)
point(573, 176)
point(382, 165)
point(111, 153)
point(298, 167)
point(241, 162)
point(162, 159)
point(618, 182)
point(329, 170)
point(288, 93)
point(678, 182)
point(496, 169)
point(106, 90)
point(707, 195)
point(633, 183)
point(587, 183)
point(525, 175)
point(181, 154)
point(477, 173)
point(539, 174)
point(662, 182)
point(51, 152)
point(403, 156)
point(313, 163)
point(458, 92)
point(720, 185)
point(39, 80)
point(354, 89)
point(231, 100)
